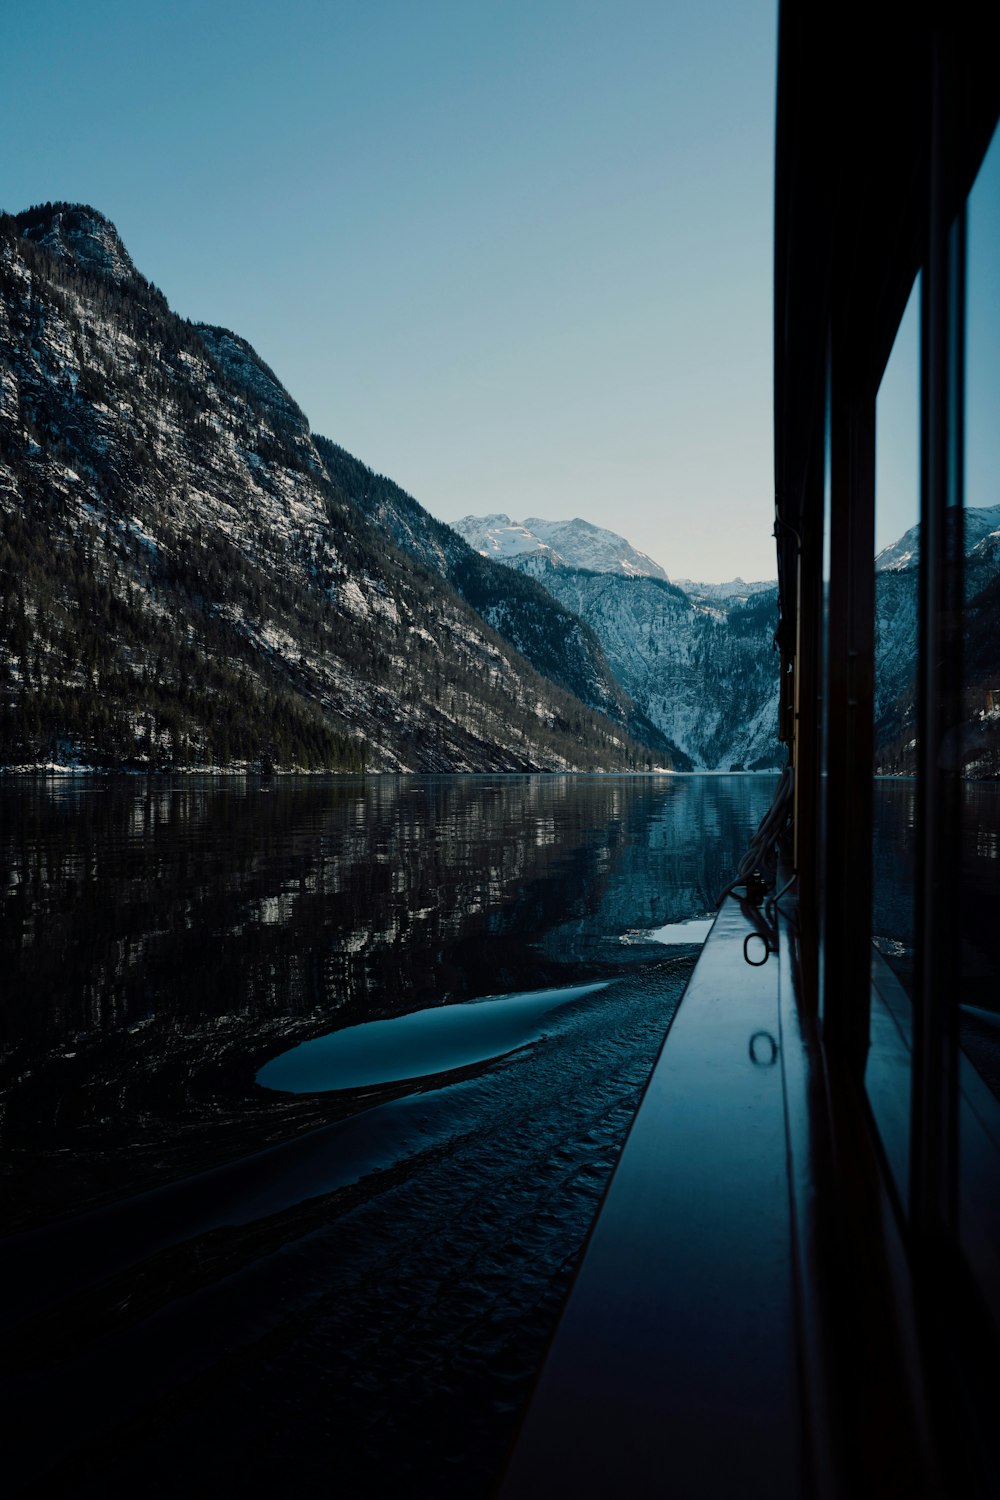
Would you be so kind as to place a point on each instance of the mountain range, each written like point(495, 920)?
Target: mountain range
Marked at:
point(190, 577)
point(696, 657)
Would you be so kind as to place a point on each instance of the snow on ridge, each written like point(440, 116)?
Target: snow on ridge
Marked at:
point(736, 589)
point(78, 232)
point(584, 545)
point(979, 521)
point(499, 537)
point(241, 362)
point(575, 544)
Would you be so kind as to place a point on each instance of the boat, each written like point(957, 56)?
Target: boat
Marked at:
point(793, 1285)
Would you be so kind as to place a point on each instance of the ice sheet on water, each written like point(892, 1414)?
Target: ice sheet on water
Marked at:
point(692, 931)
point(418, 1044)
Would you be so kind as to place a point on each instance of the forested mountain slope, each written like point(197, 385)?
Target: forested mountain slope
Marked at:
point(556, 641)
point(182, 581)
point(698, 662)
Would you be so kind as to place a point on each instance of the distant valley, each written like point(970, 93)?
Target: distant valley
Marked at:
point(699, 661)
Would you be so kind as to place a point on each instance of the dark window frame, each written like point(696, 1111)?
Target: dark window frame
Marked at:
point(865, 199)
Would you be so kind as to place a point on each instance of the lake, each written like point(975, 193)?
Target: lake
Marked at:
point(311, 1089)
point(342, 1279)
point(163, 939)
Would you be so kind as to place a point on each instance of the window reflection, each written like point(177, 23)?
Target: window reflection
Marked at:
point(980, 852)
point(888, 1074)
point(897, 543)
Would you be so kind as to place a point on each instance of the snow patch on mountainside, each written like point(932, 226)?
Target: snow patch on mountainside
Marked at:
point(735, 591)
point(575, 544)
point(82, 235)
point(499, 537)
point(583, 545)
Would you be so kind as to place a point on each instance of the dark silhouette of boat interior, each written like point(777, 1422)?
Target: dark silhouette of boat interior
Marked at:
point(793, 1286)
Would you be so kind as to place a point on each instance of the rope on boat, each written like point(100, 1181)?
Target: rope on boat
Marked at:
point(757, 875)
point(757, 871)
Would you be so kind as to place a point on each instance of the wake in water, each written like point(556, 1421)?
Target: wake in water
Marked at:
point(381, 1337)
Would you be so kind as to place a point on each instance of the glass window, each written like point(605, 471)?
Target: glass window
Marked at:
point(824, 671)
point(897, 549)
point(979, 926)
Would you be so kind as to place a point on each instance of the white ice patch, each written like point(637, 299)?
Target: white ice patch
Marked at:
point(694, 931)
point(419, 1044)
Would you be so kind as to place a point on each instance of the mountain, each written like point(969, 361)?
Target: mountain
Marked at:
point(705, 674)
point(976, 742)
point(82, 238)
point(576, 544)
point(979, 524)
point(497, 536)
point(185, 582)
point(736, 591)
point(696, 660)
point(550, 636)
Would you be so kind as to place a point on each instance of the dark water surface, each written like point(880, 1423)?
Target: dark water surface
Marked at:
point(977, 871)
point(225, 1286)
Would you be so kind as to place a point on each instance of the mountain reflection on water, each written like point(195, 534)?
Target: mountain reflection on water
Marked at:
point(162, 939)
point(895, 919)
point(363, 1305)
point(349, 894)
point(894, 883)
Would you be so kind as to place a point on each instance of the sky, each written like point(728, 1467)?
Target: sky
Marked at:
point(897, 432)
point(982, 336)
point(517, 256)
point(897, 407)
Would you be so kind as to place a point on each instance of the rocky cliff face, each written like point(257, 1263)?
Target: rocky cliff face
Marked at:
point(697, 658)
point(550, 634)
point(705, 673)
point(697, 662)
point(185, 582)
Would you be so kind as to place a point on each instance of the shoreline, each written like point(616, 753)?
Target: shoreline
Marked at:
point(58, 772)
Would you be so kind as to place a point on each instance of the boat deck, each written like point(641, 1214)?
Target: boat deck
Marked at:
point(674, 1368)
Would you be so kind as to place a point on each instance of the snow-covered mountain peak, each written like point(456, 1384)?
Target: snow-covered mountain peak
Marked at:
point(904, 553)
point(79, 233)
point(584, 545)
point(499, 537)
point(737, 590)
point(576, 544)
point(979, 522)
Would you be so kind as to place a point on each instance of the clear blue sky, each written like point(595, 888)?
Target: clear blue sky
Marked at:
point(897, 437)
point(982, 353)
point(515, 255)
